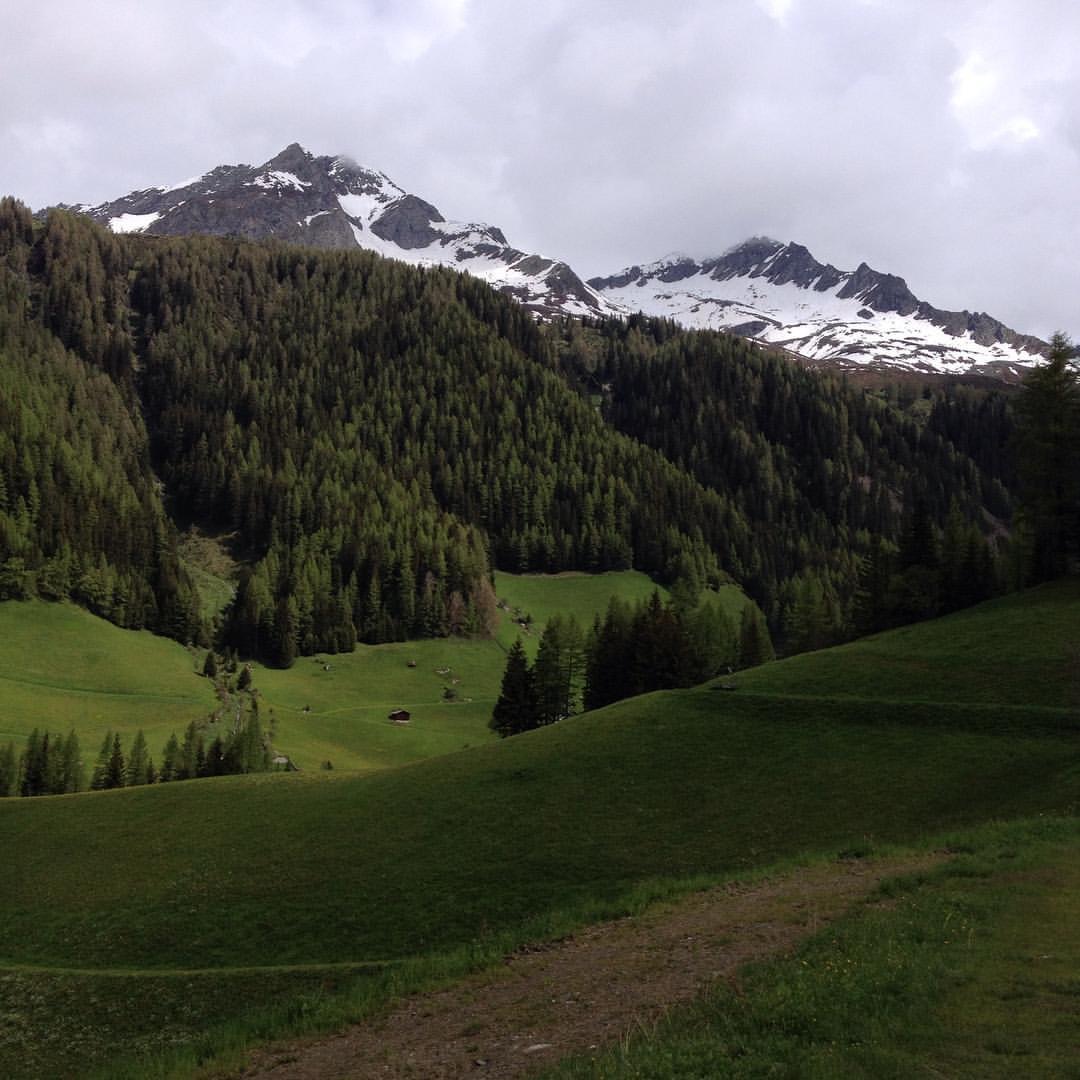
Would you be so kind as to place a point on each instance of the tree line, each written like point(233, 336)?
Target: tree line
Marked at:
point(633, 649)
point(51, 764)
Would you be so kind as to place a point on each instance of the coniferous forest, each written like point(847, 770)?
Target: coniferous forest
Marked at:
point(373, 439)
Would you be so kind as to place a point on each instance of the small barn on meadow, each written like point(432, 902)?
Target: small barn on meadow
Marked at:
point(400, 716)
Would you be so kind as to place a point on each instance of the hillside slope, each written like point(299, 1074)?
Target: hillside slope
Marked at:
point(671, 784)
point(373, 439)
point(219, 880)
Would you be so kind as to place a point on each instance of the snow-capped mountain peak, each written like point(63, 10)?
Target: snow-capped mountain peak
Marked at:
point(779, 293)
point(773, 291)
point(335, 202)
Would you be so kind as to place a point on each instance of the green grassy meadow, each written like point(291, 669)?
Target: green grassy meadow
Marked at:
point(467, 854)
point(1016, 650)
point(62, 668)
point(539, 596)
point(342, 714)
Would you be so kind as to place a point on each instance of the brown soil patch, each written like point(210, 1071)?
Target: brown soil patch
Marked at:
point(586, 991)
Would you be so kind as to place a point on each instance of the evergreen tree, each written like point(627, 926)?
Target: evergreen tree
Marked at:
point(518, 707)
point(101, 765)
point(114, 770)
point(192, 753)
point(253, 752)
point(72, 774)
point(608, 657)
point(874, 602)
point(661, 657)
point(559, 668)
point(32, 769)
point(714, 641)
point(170, 761)
point(138, 763)
point(755, 645)
point(1047, 448)
point(9, 770)
point(215, 758)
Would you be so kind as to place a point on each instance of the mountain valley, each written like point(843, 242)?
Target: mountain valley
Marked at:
point(501, 603)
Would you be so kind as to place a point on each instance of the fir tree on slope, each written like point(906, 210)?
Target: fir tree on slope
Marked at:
point(518, 707)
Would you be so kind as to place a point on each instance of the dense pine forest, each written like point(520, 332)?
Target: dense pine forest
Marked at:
point(372, 439)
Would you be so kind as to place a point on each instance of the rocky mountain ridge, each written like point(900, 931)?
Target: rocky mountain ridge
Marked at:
point(780, 294)
point(332, 202)
point(774, 292)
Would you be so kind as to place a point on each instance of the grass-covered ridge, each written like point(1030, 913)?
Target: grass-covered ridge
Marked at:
point(1018, 650)
point(410, 859)
point(62, 668)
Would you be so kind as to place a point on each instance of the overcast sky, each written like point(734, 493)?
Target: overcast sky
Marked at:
point(935, 139)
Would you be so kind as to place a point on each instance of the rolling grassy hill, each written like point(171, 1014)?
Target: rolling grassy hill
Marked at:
point(62, 668)
point(1021, 651)
point(507, 841)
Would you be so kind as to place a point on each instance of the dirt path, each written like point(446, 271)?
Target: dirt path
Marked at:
point(583, 992)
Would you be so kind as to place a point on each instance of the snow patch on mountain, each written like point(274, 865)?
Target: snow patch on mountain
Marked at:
point(133, 223)
point(274, 179)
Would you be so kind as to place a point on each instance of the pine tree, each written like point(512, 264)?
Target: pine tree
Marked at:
point(873, 601)
point(715, 643)
point(755, 645)
point(73, 777)
point(138, 763)
point(558, 669)
point(114, 770)
point(608, 655)
point(170, 760)
point(101, 765)
point(33, 764)
point(1047, 448)
point(9, 770)
point(191, 751)
point(215, 758)
point(518, 708)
